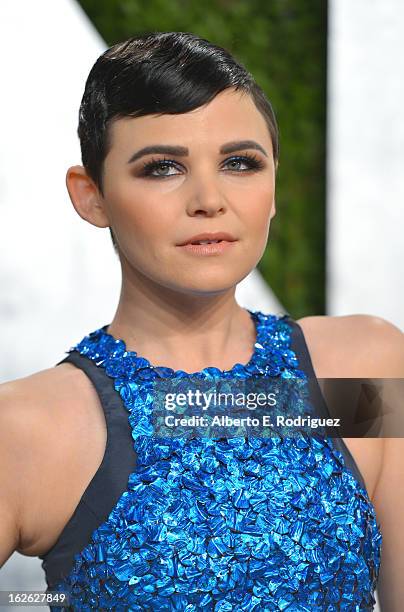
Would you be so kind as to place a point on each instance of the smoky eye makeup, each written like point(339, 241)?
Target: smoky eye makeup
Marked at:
point(151, 168)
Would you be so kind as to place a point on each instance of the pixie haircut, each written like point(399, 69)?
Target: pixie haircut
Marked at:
point(158, 73)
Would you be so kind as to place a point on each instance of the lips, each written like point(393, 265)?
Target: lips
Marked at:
point(208, 237)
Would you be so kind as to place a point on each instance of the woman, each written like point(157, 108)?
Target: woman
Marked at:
point(180, 150)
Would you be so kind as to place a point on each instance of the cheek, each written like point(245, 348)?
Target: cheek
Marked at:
point(257, 215)
point(144, 232)
point(138, 216)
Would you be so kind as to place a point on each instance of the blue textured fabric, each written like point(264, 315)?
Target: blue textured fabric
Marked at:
point(243, 524)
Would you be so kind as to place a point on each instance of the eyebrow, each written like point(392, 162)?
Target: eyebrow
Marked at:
point(180, 151)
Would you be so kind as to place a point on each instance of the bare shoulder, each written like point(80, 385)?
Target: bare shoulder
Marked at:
point(31, 406)
point(41, 385)
point(362, 345)
point(357, 346)
point(45, 419)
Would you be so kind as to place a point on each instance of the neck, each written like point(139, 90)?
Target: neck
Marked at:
point(183, 331)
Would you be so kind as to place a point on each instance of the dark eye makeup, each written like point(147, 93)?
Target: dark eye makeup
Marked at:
point(253, 163)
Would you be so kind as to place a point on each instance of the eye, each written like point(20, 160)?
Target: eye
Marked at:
point(160, 168)
point(252, 162)
point(158, 164)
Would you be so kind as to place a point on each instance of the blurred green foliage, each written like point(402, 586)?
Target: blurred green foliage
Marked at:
point(283, 44)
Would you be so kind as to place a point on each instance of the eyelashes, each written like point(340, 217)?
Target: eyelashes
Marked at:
point(253, 163)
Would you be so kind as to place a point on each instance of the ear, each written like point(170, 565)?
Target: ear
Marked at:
point(273, 209)
point(85, 197)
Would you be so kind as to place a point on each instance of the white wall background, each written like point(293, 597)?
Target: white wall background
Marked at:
point(365, 158)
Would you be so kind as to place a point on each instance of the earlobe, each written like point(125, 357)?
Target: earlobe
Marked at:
point(85, 197)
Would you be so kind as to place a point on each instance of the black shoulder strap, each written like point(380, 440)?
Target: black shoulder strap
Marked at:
point(300, 348)
point(110, 400)
point(108, 483)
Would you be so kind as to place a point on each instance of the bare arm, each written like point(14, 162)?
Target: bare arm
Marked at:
point(22, 423)
point(389, 492)
point(390, 510)
point(10, 468)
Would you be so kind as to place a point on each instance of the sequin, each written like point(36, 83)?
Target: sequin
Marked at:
point(239, 524)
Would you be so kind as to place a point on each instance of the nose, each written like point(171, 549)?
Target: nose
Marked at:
point(206, 198)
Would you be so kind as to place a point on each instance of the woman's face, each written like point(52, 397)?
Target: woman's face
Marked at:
point(157, 201)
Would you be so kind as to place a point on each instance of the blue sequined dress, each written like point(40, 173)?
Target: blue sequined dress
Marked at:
point(237, 524)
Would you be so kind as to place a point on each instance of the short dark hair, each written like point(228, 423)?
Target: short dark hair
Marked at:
point(158, 73)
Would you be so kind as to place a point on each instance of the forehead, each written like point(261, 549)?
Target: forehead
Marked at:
point(230, 115)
